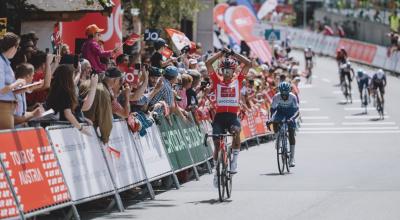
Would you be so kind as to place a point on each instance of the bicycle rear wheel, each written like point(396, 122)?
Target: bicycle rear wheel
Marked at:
point(228, 181)
point(279, 155)
point(221, 177)
point(379, 105)
point(285, 154)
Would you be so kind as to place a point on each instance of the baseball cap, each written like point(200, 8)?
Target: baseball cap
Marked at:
point(92, 29)
point(154, 71)
point(113, 72)
point(171, 71)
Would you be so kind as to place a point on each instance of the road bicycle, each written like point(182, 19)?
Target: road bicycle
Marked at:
point(364, 98)
point(346, 89)
point(379, 104)
point(282, 146)
point(223, 165)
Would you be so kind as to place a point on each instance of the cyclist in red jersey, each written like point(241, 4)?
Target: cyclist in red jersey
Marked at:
point(227, 91)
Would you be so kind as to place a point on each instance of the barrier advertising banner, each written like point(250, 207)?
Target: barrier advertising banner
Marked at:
point(125, 166)
point(194, 138)
point(82, 162)
point(174, 144)
point(153, 153)
point(33, 169)
point(8, 208)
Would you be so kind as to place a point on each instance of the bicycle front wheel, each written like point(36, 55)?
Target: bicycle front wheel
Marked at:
point(228, 176)
point(221, 176)
point(279, 155)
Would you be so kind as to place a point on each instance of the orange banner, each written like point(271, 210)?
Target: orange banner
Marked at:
point(33, 169)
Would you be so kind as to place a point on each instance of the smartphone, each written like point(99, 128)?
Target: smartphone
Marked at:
point(76, 61)
point(137, 66)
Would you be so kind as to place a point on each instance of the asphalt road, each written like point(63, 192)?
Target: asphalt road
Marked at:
point(348, 167)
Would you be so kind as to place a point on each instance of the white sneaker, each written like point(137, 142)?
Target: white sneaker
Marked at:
point(233, 169)
point(292, 163)
point(215, 181)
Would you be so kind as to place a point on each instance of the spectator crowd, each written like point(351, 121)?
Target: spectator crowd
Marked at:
point(98, 86)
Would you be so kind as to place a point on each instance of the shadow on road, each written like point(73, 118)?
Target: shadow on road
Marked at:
point(361, 113)
point(375, 119)
point(343, 103)
point(271, 174)
point(210, 201)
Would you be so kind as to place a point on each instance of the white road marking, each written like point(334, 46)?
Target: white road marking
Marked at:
point(348, 128)
point(349, 132)
point(369, 123)
point(314, 117)
point(354, 100)
point(359, 109)
point(303, 102)
point(310, 109)
point(305, 86)
point(317, 124)
point(364, 116)
point(326, 80)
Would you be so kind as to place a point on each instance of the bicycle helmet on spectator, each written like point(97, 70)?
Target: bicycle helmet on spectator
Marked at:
point(227, 64)
point(284, 88)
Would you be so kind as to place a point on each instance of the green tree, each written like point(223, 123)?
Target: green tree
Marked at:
point(165, 13)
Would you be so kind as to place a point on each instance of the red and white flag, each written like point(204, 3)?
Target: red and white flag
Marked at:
point(114, 152)
point(132, 39)
point(178, 38)
point(266, 8)
point(167, 53)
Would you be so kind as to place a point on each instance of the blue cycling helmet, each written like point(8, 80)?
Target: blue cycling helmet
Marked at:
point(171, 71)
point(284, 88)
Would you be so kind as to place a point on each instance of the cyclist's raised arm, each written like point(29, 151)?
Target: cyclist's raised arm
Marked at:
point(211, 60)
point(245, 61)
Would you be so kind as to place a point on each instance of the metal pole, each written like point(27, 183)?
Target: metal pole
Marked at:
point(304, 13)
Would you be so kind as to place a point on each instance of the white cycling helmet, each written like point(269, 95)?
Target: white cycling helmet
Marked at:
point(380, 74)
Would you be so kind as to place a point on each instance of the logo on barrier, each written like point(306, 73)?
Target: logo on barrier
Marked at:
point(32, 167)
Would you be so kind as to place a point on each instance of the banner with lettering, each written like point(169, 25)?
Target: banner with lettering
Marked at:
point(82, 162)
point(8, 207)
point(33, 169)
point(174, 143)
point(152, 151)
point(124, 161)
point(194, 138)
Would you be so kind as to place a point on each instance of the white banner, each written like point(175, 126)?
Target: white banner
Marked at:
point(82, 162)
point(122, 158)
point(152, 151)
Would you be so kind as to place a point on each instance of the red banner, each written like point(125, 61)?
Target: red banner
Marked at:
point(33, 169)
point(7, 203)
point(112, 25)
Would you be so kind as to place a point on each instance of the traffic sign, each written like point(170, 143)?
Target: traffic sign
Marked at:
point(272, 34)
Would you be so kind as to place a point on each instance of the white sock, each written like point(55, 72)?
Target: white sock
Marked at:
point(235, 154)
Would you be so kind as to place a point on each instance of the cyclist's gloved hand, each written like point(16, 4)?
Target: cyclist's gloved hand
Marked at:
point(290, 120)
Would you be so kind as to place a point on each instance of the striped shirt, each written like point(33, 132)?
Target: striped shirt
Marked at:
point(166, 94)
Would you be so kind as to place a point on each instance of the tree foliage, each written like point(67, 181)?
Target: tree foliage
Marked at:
point(166, 13)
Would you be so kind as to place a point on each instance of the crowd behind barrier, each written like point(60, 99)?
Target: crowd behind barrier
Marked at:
point(365, 53)
point(104, 132)
point(69, 168)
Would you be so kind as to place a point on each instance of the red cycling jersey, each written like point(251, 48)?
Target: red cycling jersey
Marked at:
point(227, 94)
